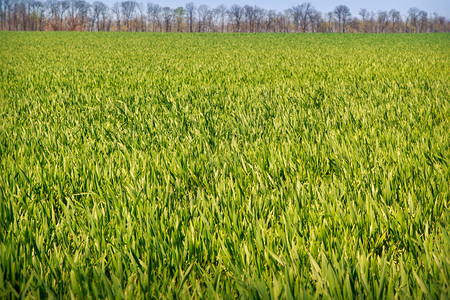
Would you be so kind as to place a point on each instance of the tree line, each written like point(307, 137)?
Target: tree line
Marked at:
point(80, 15)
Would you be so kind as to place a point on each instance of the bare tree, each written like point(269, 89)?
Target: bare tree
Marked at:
point(382, 19)
point(271, 20)
point(301, 14)
point(394, 16)
point(54, 8)
point(71, 21)
point(167, 14)
point(98, 8)
point(343, 15)
point(236, 13)
point(372, 22)
point(154, 15)
point(423, 21)
point(435, 22)
point(116, 10)
point(316, 21)
point(19, 16)
point(190, 15)
point(250, 16)
point(64, 6)
point(9, 8)
point(285, 19)
point(37, 15)
point(83, 9)
point(413, 14)
point(221, 13)
point(128, 11)
point(142, 18)
point(203, 12)
point(260, 14)
point(364, 13)
point(2, 13)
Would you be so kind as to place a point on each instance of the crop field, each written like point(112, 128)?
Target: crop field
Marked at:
point(224, 165)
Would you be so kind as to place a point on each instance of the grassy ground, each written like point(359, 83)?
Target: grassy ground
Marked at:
point(259, 166)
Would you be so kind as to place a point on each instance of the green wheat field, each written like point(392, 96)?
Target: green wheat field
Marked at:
point(290, 166)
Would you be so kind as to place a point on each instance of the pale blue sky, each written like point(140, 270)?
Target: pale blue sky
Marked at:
point(440, 6)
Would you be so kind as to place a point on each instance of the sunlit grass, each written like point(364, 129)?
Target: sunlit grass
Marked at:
point(265, 165)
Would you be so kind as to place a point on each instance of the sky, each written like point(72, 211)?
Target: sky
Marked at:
point(440, 6)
